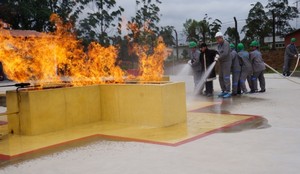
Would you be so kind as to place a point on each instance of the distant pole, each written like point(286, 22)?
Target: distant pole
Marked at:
point(237, 37)
point(273, 32)
point(176, 40)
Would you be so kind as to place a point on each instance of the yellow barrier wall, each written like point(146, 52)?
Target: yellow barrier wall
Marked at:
point(156, 105)
point(48, 110)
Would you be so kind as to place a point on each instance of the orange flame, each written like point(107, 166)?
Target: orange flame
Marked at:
point(151, 65)
point(42, 57)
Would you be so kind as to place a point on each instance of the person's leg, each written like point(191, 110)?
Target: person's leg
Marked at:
point(285, 66)
point(235, 82)
point(226, 76)
point(289, 63)
point(221, 77)
point(243, 78)
point(262, 82)
point(209, 87)
point(254, 81)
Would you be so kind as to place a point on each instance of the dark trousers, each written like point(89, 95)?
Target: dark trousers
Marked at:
point(209, 87)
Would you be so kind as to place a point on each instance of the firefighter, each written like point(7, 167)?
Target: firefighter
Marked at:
point(207, 57)
point(194, 62)
point(290, 53)
point(246, 67)
point(225, 64)
point(258, 67)
point(235, 70)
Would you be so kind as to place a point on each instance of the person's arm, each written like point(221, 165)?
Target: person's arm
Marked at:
point(196, 59)
point(289, 51)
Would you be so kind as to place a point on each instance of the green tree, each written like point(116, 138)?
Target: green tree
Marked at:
point(203, 30)
point(283, 14)
point(100, 19)
point(35, 14)
point(258, 25)
point(65, 9)
point(208, 29)
point(231, 34)
point(143, 26)
point(191, 30)
point(166, 33)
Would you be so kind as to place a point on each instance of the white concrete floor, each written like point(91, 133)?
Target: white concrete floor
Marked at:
point(274, 149)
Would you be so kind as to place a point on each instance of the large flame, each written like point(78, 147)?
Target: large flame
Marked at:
point(151, 62)
point(56, 57)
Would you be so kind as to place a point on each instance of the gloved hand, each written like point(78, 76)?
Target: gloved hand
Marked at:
point(190, 62)
point(296, 56)
point(217, 57)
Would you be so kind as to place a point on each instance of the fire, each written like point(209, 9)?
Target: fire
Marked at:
point(151, 65)
point(58, 57)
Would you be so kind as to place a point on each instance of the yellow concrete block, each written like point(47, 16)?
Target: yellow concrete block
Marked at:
point(12, 107)
point(48, 110)
point(156, 105)
point(82, 105)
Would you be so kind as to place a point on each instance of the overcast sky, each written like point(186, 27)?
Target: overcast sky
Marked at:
point(175, 12)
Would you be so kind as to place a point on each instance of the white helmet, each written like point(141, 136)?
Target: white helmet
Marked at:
point(219, 34)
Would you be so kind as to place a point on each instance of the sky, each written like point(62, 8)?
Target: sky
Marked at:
point(176, 12)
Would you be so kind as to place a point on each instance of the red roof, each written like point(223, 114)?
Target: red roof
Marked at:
point(21, 33)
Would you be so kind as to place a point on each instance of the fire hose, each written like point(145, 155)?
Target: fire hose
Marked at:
point(286, 77)
point(19, 85)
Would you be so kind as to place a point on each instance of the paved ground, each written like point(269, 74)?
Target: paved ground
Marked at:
point(272, 147)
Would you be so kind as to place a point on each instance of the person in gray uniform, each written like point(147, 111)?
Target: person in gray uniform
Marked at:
point(258, 67)
point(225, 65)
point(236, 71)
point(246, 67)
point(195, 62)
point(290, 53)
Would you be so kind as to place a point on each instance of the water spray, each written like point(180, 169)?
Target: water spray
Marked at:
point(203, 78)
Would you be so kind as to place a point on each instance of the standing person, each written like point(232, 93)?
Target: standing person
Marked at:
point(258, 67)
point(246, 67)
point(194, 62)
point(235, 70)
point(207, 57)
point(290, 53)
point(225, 64)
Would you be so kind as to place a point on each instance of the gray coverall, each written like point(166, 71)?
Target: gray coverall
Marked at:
point(236, 72)
point(225, 66)
point(196, 65)
point(290, 52)
point(246, 69)
point(258, 67)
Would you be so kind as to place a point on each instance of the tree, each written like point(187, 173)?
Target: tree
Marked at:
point(209, 29)
point(65, 9)
point(34, 15)
point(258, 25)
point(143, 25)
point(100, 19)
point(231, 34)
point(203, 30)
point(191, 30)
point(283, 14)
point(166, 33)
